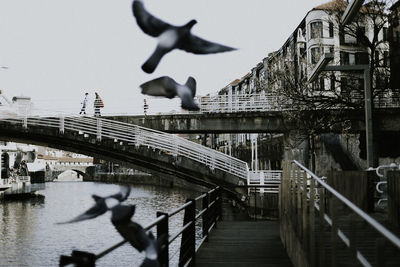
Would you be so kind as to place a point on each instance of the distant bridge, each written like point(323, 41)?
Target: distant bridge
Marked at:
point(250, 121)
point(147, 150)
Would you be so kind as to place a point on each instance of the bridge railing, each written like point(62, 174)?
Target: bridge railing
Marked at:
point(331, 229)
point(240, 103)
point(274, 102)
point(268, 180)
point(139, 136)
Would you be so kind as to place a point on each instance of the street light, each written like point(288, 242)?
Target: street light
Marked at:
point(322, 66)
point(350, 12)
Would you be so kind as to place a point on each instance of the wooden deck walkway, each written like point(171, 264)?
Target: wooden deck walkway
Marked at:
point(243, 243)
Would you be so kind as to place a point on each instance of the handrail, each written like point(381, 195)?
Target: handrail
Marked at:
point(210, 212)
point(272, 102)
point(137, 135)
point(375, 224)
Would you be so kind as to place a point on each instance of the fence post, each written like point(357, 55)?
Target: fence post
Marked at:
point(188, 241)
point(312, 224)
point(321, 249)
point(304, 207)
point(98, 129)
point(162, 229)
point(62, 123)
point(334, 230)
point(205, 217)
point(25, 122)
point(219, 203)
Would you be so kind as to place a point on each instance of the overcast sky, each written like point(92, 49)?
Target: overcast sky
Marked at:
point(57, 50)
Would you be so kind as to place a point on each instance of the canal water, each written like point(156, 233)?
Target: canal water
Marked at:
point(29, 235)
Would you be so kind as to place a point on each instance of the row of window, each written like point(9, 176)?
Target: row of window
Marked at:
point(317, 31)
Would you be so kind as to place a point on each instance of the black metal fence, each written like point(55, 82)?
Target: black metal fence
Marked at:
point(207, 216)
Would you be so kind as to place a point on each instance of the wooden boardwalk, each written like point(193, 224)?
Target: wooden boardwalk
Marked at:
point(244, 243)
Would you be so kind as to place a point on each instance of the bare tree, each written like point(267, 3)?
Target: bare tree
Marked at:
point(323, 105)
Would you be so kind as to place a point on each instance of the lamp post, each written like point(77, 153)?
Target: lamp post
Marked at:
point(322, 65)
point(351, 11)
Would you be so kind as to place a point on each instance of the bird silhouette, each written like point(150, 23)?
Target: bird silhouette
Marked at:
point(136, 235)
point(102, 205)
point(167, 87)
point(171, 37)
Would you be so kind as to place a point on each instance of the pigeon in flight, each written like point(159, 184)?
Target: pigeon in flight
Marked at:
point(103, 204)
point(136, 235)
point(167, 87)
point(171, 37)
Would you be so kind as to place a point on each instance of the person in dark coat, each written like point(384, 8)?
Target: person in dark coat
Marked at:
point(98, 103)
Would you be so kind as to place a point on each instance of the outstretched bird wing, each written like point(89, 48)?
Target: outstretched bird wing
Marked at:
point(98, 209)
point(163, 86)
point(197, 45)
point(147, 22)
point(123, 194)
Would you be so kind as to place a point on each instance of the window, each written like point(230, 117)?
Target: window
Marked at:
point(321, 83)
point(332, 81)
point(344, 58)
point(386, 59)
point(362, 58)
point(316, 30)
point(377, 63)
point(331, 29)
point(360, 34)
point(385, 34)
point(315, 54)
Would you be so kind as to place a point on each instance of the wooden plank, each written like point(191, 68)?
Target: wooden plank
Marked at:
point(244, 243)
point(393, 187)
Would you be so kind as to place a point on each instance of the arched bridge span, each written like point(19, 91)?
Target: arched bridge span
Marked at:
point(144, 149)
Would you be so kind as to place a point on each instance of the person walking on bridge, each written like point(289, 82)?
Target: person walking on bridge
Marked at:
point(84, 104)
point(98, 103)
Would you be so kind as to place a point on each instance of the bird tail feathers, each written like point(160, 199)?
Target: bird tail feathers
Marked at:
point(191, 84)
point(151, 64)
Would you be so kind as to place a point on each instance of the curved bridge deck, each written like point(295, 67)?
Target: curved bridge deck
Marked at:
point(145, 149)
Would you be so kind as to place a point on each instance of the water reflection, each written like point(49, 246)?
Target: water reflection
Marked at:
point(30, 237)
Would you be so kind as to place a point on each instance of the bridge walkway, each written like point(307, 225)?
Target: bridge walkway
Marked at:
point(243, 243)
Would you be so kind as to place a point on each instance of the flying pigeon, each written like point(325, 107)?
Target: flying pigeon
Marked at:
point(167, 87)
point(136, 235)
point(171, 37)
point(102, 205)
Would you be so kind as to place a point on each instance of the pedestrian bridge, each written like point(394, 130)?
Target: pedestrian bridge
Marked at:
point(145, 149)
point(258, 113)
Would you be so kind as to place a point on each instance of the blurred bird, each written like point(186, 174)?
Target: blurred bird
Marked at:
point(103, 204)
point(136, 235)
point(171, 37)
point(167, 87)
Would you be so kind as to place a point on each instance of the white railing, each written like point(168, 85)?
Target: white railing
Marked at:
point(139, 136)
point(273, 102)
point(240, 103)
point(269, 179)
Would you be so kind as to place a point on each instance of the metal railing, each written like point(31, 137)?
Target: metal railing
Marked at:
point(138, 136)
point(240, 103)
point(268, 180)
point(274, 102)
point(207, 215)
point(320, 217)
